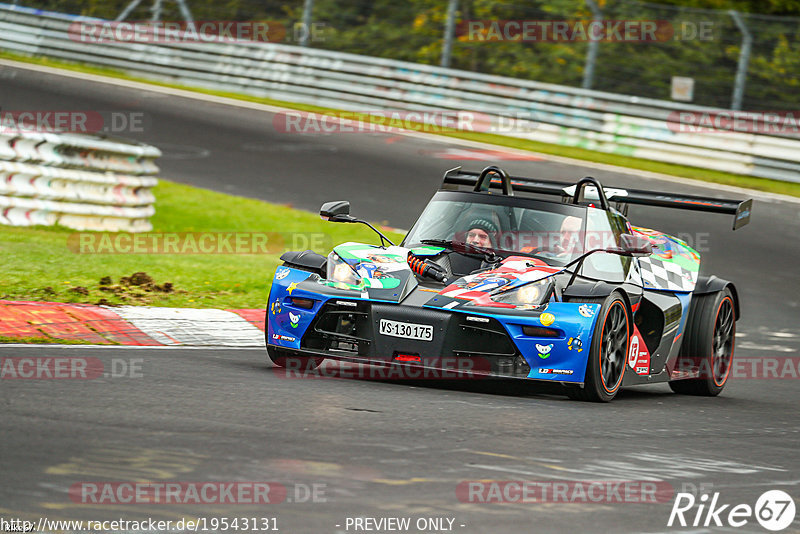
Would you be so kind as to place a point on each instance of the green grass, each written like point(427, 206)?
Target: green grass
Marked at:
point(761, 184)
point(45, 341)
point(38, 265)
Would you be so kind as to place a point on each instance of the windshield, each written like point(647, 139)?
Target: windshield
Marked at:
point(555, 234)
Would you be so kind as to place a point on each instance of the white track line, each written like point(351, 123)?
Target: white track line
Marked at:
point(427, 137)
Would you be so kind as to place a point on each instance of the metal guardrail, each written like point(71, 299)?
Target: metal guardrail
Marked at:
point(567, 116)
point(78, 181)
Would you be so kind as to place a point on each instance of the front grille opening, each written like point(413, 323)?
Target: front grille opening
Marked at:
point(489, 339)
point(490, 348)
point(346, 346)
point(340, 328)
point(515, 366)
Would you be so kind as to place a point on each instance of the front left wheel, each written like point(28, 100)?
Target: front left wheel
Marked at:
point(609, 351)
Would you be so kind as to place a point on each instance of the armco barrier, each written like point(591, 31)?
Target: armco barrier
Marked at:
point(78, 181)
point(566, 116)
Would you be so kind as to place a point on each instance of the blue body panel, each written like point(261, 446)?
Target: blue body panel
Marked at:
point(564, 358)
point(286, 324)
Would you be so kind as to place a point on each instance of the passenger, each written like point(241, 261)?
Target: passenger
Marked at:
point(570, 241)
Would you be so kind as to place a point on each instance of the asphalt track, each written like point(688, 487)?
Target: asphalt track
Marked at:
point(393, 449)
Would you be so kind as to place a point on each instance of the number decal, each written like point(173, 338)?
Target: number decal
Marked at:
point(422, 332)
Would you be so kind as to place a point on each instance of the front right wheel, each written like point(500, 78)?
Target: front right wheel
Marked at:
point(608, 353)
point(282, 358)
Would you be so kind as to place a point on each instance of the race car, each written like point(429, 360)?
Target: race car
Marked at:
point(516, 277)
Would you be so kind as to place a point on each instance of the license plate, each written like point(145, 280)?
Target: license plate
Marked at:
point(422, 332)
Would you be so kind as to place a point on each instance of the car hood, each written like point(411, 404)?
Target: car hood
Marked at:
point(385, 275)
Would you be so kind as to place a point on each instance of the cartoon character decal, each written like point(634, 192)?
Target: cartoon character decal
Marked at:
point(544, 350)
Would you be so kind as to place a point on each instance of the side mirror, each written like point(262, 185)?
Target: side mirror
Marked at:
point(336, 211)
point(339, 211)
point(635, 245)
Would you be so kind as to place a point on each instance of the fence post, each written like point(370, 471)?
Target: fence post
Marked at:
point(185, 12)
point(449, 30)
point(127, 11)
point(591, 51)
point(157, 5)
point(744, 60)
point(308, 7)
point(156, 10)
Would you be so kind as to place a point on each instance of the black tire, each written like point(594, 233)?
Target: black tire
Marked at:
point(709, 340)
point(608, 355)
point(282, 358)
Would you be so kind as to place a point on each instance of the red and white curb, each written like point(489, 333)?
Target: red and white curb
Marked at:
point(132, 325)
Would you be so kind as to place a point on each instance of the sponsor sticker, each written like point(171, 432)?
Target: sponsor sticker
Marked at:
point(638, 357)
point(575, 344)
point(544, 350)
point(547, 319)
point(275, 307)
point(556, 371)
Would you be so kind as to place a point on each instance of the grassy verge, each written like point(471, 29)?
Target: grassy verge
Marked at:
point(45, 341)
point(761, 184)
point(38, 265)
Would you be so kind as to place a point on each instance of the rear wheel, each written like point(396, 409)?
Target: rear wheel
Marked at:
point(609, 351)
point(282, 358)
point(708, 343)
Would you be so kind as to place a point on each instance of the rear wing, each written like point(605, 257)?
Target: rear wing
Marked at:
point(589, 189)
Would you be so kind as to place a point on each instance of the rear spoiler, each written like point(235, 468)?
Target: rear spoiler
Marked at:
point(587, 189)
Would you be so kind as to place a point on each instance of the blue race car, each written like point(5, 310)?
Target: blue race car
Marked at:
point(520, 285)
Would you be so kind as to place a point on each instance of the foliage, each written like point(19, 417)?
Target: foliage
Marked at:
point(413, 31)
point(39, 264)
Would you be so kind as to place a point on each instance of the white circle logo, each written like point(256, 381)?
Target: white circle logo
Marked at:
point(634, 354)
point(775, 510)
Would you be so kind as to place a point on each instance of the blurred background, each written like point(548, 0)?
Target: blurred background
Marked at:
point(712, 39)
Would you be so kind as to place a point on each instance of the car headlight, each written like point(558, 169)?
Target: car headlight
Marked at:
point(532, 294)
point(339, 270)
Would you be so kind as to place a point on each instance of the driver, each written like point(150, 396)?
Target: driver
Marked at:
point(481, 233)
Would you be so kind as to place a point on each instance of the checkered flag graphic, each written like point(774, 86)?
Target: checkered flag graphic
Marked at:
point(659, 274)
